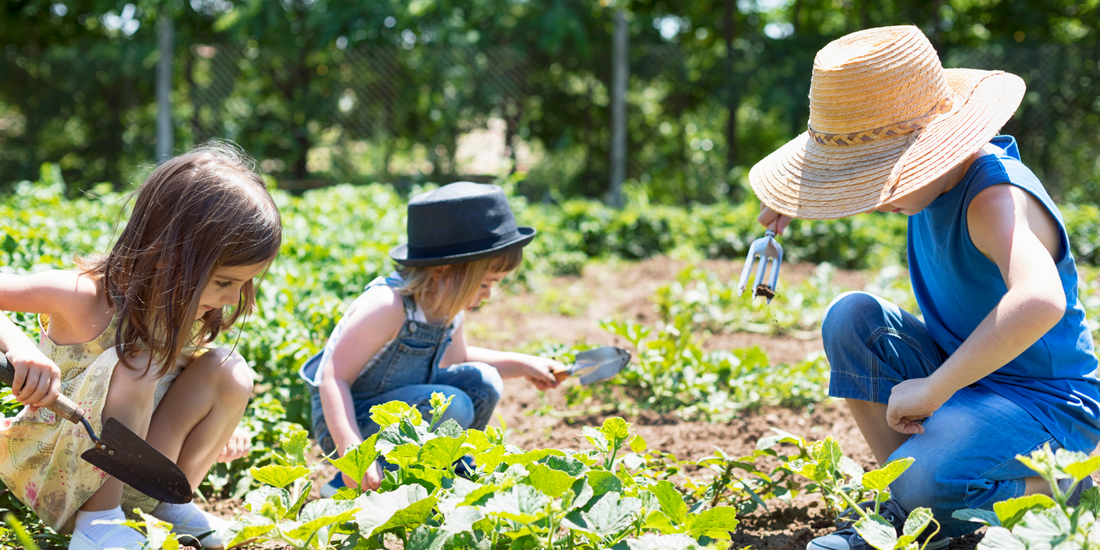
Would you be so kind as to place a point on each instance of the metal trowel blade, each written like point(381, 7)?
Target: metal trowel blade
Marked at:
point(135, 462)
point(599, 364)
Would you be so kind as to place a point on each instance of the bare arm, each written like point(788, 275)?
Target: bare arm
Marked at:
point(538, 370)
point(1014, 231)
point(373, 321)
point(64, 295)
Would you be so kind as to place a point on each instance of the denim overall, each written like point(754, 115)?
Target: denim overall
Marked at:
point(408, 370)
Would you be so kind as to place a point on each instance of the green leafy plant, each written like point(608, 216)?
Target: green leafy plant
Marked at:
point(1041, 521)
point(844, 484)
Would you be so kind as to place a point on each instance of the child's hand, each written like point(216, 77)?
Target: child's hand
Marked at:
point(773, 220)
point(540, 371)
point(37, 381)
point(239, 445)
point(371, 481)
point(911, 402)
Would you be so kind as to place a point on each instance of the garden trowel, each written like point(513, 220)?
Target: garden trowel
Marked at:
point(120, 452)
point(595, 365)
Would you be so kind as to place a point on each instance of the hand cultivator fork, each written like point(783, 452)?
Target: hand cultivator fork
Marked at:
point(770, 252)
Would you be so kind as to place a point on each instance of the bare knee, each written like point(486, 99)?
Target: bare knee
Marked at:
point(228, 373)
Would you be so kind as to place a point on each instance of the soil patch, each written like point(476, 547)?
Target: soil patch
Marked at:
point(567, 310)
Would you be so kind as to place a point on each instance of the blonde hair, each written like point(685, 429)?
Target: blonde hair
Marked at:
point(462, 282)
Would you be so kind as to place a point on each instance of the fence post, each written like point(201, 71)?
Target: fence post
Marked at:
point(164, 88)
point(619, 70)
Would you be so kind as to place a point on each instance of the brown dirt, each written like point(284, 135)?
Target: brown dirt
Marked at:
point(567, 309)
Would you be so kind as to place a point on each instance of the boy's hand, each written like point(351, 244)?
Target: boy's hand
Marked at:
point(37, 381)
point(372, 480)
point(541, 371)
point(911, 402)
point(239, 445)
point(773, 220)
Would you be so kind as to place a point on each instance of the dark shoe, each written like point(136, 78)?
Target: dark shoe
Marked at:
point(1075, 497)
point(464, 467)
point(846, 537)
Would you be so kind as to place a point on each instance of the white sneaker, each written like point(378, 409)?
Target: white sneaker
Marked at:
point(80, 541)
point(206, 536)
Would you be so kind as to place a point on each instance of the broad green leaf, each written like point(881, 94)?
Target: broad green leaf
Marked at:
point(529, 456)
point(269, 502)
point(552, 483)
point(566, 464)
point(658, 521)
point(477, 442)
point(611, 515)
point(672, 502)
point(915, 524)
point(1081, 470)
point(999, 538)
point(780, 437)
point(521, 503)
point(1038, 528)
point(279, 476)
point(441, 452)
point(716, 523)
point(1011, 511)
point(449, 428)
point(988, 517)
point(827, 453)
point(408, 506)
point(662, 542)
point(357, 461)
point(603, 481)
point(247, 528)
point(322, 513)
point(430, 478)
point(488, 460)
point(880, 479)
point(807, 468)
point(596, 438)
point(393, 412)
point(877, 532)
point(462, 519)
point(404, 455)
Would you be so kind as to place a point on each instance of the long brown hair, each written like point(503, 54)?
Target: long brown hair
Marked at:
point(202, 210)
point(461, 281)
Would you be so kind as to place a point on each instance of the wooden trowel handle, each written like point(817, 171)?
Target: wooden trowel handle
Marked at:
point(561, 375)
point(62, 406)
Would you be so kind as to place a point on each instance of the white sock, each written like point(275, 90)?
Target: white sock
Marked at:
point(106, 535)
point(186, 515)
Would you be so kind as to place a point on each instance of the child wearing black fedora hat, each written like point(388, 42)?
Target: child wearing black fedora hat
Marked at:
point(1002, 362)
point(402, 339)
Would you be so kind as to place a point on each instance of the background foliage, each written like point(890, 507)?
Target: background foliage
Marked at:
point(326, 91)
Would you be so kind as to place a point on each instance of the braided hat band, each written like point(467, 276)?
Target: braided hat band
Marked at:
point(909, 126)
point(885, 120)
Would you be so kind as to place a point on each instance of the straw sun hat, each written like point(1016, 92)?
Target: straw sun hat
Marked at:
point(885, 119)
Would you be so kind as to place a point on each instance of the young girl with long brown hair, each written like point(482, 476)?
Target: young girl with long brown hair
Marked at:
point(127, 335)
point(403, 339)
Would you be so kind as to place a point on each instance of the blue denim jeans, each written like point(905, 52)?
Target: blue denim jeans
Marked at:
point(966, 457)
point(407, 370)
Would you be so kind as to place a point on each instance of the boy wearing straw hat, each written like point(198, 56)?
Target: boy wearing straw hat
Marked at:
point(1003, 360)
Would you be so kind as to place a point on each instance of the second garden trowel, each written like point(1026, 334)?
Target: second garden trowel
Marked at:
point(120, 452)
point(596, 365)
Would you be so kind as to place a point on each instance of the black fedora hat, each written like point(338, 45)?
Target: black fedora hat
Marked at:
point(460, 222)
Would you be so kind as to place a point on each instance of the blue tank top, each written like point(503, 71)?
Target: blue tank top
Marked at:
point(956, 286)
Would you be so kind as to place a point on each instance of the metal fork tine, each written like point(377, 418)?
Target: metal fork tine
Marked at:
point(770, 255)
